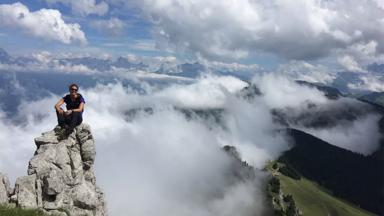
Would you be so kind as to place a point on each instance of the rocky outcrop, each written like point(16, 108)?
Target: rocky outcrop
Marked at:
point(60, 177)
point(5, 189)
point(240, 169)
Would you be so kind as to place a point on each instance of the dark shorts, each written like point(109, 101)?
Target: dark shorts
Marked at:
point(72, 120)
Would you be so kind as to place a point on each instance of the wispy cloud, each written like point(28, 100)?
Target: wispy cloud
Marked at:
point(84, 7)
point(155, 152)
point(113, 44)
point(368, 82)
point(112, 26)
point(144, 45)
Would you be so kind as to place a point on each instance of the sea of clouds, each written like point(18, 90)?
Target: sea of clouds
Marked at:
point(161, 162)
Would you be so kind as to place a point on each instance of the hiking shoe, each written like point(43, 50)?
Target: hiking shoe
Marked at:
point(68, 131)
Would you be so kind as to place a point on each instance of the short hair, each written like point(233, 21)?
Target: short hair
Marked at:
point(73, 84)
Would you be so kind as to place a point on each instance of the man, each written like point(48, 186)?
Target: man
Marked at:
point(72, 117)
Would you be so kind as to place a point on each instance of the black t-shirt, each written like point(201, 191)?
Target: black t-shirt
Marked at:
point(73, 104)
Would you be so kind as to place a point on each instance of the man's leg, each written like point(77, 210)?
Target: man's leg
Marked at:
point(60, 119)
point(76, 119)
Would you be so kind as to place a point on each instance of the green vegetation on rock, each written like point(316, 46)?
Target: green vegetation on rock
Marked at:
point(11, 211)
point(283, 204)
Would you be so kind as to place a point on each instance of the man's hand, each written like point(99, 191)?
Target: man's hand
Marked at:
point(61, 111)
point(68, 112)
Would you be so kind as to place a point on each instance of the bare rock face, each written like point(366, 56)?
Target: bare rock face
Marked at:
point(5, 189)
point(60, 176)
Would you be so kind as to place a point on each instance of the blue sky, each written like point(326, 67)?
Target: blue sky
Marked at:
point(337, 34)
point(134, 38)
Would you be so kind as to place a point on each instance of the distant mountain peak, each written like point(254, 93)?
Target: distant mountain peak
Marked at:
point(4, 56)
point(375, 67)
point(330, 92)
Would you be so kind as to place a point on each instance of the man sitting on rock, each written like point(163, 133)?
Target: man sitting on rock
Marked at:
point(72, 117)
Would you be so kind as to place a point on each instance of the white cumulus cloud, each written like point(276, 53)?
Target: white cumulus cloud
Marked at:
point(44, 23)
point(304, 29)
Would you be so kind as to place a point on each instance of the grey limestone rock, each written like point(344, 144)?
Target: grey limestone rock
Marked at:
point(60, 175)
point(5, 189)
point(25, 190)
point(47, 138)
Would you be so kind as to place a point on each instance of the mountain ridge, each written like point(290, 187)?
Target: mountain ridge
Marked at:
point(348, 175)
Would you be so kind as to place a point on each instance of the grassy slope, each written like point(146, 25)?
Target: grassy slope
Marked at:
point(350, 176)
point(315, 201)
point(8, 211)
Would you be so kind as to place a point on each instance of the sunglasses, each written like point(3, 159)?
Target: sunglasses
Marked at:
point(73, 89)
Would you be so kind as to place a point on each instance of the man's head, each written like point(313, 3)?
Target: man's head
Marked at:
point(73, 88)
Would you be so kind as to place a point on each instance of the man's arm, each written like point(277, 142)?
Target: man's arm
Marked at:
point(80, 109)
point(58, 104)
